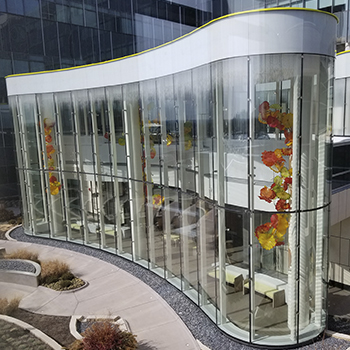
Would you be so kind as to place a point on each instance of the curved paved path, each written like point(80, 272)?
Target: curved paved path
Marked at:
point(111, 290)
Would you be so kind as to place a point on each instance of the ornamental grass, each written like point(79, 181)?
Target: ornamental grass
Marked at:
point(8, 307)
point(105, 335)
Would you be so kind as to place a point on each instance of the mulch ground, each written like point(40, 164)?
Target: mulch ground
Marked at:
point(56, 327)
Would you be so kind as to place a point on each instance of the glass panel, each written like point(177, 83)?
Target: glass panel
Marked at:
point(50, 132)
point(316, 95)
point(90, 18)
point(63, 13)
point(189, 233)
point(208, 274)
point(85, 145)
point(342, 26)
point(186, 129)
point(77, 16)
point(75, 208)
point(134, 164)
point(237, 266)
point(51, 40)
point(170, 224)
point(275, 90)
point(314, 191)
point(338, 107)
point(120, 174)
point(15, 6)
point(296, 3)
point(311, 4)
point(168, 118)
point(66, 151)
point(204, 158)
point(347, 108)
point(152, 155)
point(324, 4)
point(31, 8)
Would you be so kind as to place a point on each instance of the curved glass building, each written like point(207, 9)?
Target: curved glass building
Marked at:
point(206, 160)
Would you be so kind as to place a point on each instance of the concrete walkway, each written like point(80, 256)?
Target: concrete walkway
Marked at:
point(111, 291)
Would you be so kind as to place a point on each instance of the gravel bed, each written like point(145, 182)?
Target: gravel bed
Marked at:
point(195, 319)
point(15, 265)
point(339, 324)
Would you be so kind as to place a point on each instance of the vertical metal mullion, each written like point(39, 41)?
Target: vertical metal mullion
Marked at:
point(28, 177)
point(164, 171)
point(128, 167)
point(162, 166)
point(148, 198)
point(61, 162)
point(143, 181)
point(181, 171)
point(29, 183)
point(19, 151)
point(114, 169)
point(298, 226)
point(220, 193)
point(345, 106)
point(201, 247)
point(250, 176)
point(42, 159)
point(79, 169)
point(213, 110)
point(97, 173)
point(45, 190)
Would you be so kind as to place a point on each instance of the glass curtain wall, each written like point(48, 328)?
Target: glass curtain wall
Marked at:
point(215, 178)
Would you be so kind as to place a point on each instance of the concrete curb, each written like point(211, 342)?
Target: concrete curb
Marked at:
point(7, 234)
point(114, 319)
point(38, 334)
point(202, 346)
point(338, 335)
point(21, 277)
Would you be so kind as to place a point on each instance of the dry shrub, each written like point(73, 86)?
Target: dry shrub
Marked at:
point(8, 307)
point(104, 335)
point(52, 270)
point(23, 254)
point(77, 345)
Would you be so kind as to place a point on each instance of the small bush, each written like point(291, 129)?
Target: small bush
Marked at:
point(104, 335)
point(49, 280)
point(23, 254)
point(52, 270)
point(7, 307)
point(67, 276)
point(65, 283)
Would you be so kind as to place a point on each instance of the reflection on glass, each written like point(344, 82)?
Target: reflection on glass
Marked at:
point(214, 178)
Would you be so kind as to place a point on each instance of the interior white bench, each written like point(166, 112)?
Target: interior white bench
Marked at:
point(271, 287)
point(234, 275)
point(109, 229)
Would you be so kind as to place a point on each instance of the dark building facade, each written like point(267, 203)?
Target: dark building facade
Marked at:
point(37, 35)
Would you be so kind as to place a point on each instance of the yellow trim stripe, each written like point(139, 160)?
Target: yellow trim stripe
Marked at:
point(179, 38)
point(340, 53)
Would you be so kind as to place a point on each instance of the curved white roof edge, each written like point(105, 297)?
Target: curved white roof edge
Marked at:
point(271, 31)
point(342, 65)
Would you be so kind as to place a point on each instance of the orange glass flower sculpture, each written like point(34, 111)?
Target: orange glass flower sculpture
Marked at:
point(55, 185)
point(157, 200)
point(271, 234)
